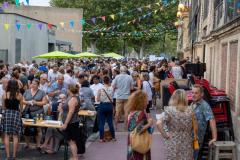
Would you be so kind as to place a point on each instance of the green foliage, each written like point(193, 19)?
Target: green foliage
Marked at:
point(161, 22)
point(9, 1)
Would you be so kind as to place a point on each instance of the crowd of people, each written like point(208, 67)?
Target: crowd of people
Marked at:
point(119, 90)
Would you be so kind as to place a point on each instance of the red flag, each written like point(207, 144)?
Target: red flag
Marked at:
point(49, 26)
point(104, 18)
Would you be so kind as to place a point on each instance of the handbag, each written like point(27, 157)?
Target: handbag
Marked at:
point(195, 130)
point(140, 142)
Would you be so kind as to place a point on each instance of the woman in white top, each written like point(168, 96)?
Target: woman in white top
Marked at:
point(105, 111)
point(147, 88)
point(177, 71)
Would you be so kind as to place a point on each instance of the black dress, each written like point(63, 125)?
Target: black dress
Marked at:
point(12, 123)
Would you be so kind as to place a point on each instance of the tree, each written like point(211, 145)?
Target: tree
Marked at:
point(9, 1)
point(102, 39)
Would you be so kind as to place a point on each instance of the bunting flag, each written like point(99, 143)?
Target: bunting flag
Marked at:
point(17, 3)
point(103, 18)
point(71, 23)
point(6, 26)
point(121, 13)
point(82, 21)
point(50, 26)
point(139, 9)
point(40, 26)
point(5, 5)
point(18, 26)
point(29, 26)
point(112, 16)
point(27, 1)
point(62, 24)
point(148, 6)
point(94, 20)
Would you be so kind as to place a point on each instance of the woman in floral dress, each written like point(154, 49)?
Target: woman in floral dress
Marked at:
point(176, 127)
point(137, 117)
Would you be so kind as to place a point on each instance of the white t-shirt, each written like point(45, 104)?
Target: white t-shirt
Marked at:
point(68, 79)
point(95, 88)
point(146, 87)
point(177, 72)
point(52, 77)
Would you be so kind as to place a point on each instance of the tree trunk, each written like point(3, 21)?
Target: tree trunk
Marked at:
point(142, 50)
point(93, 46)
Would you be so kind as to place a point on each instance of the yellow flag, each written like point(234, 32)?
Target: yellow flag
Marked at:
point(112, 16)
point(129, 22)
point(102, 34)
point(148, 6)
point(155, 11)
point(6, 26)
point(62, 24)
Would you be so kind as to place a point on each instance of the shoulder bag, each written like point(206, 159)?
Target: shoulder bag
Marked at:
point(195, 131)
point(140, 142)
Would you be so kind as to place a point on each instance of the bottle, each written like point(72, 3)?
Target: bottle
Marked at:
point(41, 118)
point(37, 117)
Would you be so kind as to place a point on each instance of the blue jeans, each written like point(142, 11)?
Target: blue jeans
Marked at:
point(105, 111)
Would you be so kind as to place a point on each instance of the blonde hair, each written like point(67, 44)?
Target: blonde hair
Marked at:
point(179, 100)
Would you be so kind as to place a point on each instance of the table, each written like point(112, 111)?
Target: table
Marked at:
point(30, 122)
point(86, 113)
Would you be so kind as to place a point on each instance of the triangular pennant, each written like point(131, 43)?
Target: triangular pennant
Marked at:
point(103, 18)
point(18, 26)
point(40, 26)
point(5, 5)
point(62, 24)
point(29, 25)
point(71, 23)
point(129, 22)
point(155, 11)
point(6, 26)
point(112, 16)
point(27, 1)
point(94, 20)
point(148, 6)
point(50, 26)
point(102, 34)
point(121, 14)
point(157, 4)
point(139, 9)
point(82, 21)
point(17, 3)
point(134, 21)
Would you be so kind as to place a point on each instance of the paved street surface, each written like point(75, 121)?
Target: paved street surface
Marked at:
point(96, 150)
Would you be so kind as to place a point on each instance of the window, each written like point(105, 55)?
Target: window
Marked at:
point(218, 13)
point(4, 55)
point(205, 13)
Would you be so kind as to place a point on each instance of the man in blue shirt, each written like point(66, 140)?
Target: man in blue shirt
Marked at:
point(204, 114)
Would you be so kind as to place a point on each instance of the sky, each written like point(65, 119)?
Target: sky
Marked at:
point(37, 2)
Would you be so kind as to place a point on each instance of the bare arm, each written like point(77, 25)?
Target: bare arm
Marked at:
point(161, 130)
point(213, 130)
point(98, 95)
point(21, 102)
point(41, 103)
point(72, 104)
point(149, 124)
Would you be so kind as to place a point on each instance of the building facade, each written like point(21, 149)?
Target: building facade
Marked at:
point(214, 36)
point(68, 38)
point(21, 45)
